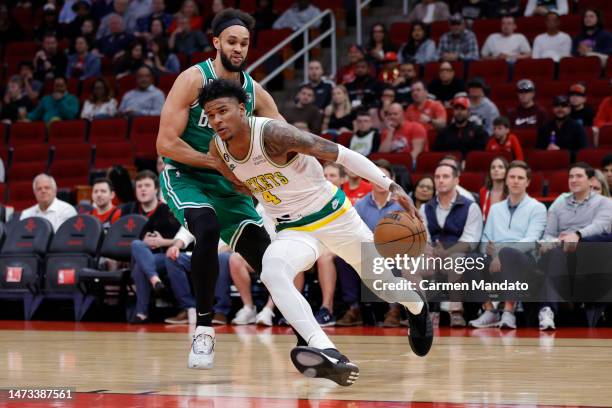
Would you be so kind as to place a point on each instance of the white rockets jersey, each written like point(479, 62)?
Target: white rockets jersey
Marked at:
point(288, 192)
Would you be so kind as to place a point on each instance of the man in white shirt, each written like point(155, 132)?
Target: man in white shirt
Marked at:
point(48, 205)
point(506, 45)
point(553, 43)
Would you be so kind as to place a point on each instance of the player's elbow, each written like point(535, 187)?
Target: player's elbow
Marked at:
point(162, 146)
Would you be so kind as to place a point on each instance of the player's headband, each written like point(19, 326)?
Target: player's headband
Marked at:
point(228, 23)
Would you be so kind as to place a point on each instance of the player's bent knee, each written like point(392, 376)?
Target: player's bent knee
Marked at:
point(203, 223)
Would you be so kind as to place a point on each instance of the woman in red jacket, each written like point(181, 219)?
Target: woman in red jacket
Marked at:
point(495, 189)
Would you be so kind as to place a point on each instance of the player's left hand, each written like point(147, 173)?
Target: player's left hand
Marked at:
point(398, 194)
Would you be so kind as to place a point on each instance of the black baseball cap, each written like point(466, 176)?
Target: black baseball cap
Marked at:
point(561, 100)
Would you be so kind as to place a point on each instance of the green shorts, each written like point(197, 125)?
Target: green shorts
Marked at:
point(201, 188)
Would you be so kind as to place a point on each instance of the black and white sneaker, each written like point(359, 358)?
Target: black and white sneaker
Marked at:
point(420, 335)
point(328, 363)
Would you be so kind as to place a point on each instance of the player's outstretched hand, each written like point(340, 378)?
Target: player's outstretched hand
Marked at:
point(222, 168)
point(398, 194)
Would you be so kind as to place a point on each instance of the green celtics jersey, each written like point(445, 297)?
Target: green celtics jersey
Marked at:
point(198, 133)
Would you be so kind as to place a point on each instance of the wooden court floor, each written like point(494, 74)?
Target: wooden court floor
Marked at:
point(118, 365)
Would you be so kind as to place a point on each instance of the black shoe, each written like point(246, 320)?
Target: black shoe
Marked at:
point(420, 335)
point(328, 363)
point(159, 288)
point(300, 339)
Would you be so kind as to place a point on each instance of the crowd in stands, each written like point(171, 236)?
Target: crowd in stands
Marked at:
point(397, 101)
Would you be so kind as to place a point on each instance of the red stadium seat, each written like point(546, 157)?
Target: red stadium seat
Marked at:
point(25, 50)
point(504, 91)
point(109, 154)
point(248, 6)
point(593, 156)
point(534, 69)
point(27, 133)
point(143, 134)
point(72, 151)
point(69, 173)
point(394, 158)
point(67, 131)
point(472, 180)
point(548, 159)
point(399, 32)
point(605, 137)
point(427, 161)
point(200, 56)
point(20, 195)
point(579, 68)
point(527, 136)
point(281, 5)
point(432, 70)
point(437, 29)
point(345, 138)
point(490, 70)
point(547, 90)
point(3, 134)
point(484, 27)
point(267, 39)
point(108, 129)
point(596, 4)
point(30, 153)
point(557, 182)
point(2, 193)
point(530, 27)
point(571, 24)
point(535, 185)
point(26, 171)
point(126, 84)
point(479, 161)
point(166, 81)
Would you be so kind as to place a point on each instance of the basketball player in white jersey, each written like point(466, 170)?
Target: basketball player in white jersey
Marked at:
point(278, 163)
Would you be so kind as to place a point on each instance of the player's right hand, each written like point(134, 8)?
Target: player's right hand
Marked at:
point(398, 194)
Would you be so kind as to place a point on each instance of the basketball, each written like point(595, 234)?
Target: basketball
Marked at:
point(398, 233)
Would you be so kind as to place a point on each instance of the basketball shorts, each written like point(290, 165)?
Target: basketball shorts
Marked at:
point(184, 189)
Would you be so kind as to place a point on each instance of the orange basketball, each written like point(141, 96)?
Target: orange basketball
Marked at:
point(398, 233)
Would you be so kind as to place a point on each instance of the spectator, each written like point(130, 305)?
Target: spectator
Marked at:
point(187, 40)
point(296, 16)
point(304, 110)
point(148, 252)
point(31, 85)
point(581, 215)
point(562, 132)
point(503, 140)
point(60, 105)
point(101, 104)
point(452, 161)
point(116, 41)
point(505, 8)
point(403, 84)
point(429, 113)
point(264, 14)
point(130, 61)
point(402, 135)
point(386, 99)
point(138, 9)
point(120, 9)
point(49, 24)
point(82, 64)
point(157, 31)
point(429, 11)
point(604, 112)
point(15, 100)
point(102, 196)
point(582, 112)
point(321, 85)
point(146, 99)
point(338, 115)
point(447, 85)
point(519, 218)
point(495, 188)
point(599, 184)
point(364, 90)
point(389, 72)
point(553, 43)
point(506, 45)
point(49, 62)
point(346, 74)
point(379, 43)
point(190, 10)
point(161, 59)
point(88, 30)
point(472, 10)
point(606, 168)
point(355, 187)
point(528, 113)
point(366, 138)
point(217, 6)
point(453, 224)
point(158, 12)
point(80, 11)
point(482, 110)
point(459, 44)
point(593, 38)
point(48, 206)
point(419, 48)
point(461, 134)
point(543, 7)
point(424, 190)
point(67, 13)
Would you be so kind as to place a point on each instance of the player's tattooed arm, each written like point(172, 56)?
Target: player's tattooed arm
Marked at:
point(281, 138)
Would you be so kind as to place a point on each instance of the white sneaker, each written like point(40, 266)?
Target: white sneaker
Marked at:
point(508, 320)
point(202, 353)
point(487, 319)
point(547, 318)
point(264, 318)
point(246, 315)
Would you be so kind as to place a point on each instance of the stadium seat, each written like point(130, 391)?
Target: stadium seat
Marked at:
point(166, 81)
point(593, 156)
point(504, 91)
point(344, 138)
point(21, 262)
point(480, 161)
point(280, 6)
point(73, 247)
point(20, 195)
point(70, 173)
point(394, 158)
point(124, 85)
point(26, 171)
point(472, 180)
point(109, 154)
point(571, 23)
point(437, 29)
point(25, 50)
point(67, 131)
point(579, 68)
point(30, 153)
point(432, 69)
point(536, 184)
point(490, 70)
point(72, 151)
point(2, 198)
point(103, 130)
point(530, 27)
point(427, 161)
point(557, 182)
point(547, 90)
point(534, 69)
point(399, 32)
point(546, 160)
point(605, 136)
point(143, 134)
point(483, 27)
point(528, 137)
point(267, 39)
point(200, 56)
point(27, 133)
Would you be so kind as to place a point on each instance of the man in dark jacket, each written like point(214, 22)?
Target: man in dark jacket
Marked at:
point(461, 134)
point(562, 132)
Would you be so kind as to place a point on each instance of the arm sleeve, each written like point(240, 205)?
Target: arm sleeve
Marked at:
point(363, 167)
point(185, 236)
point(601, 222)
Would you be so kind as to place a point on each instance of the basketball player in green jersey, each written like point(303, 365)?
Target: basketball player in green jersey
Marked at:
point(197, 186)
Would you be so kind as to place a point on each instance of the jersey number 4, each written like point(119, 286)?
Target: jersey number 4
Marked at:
point(271, 198)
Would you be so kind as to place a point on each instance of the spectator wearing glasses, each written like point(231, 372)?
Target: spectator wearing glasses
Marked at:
point(527, 113)
point(447, 85)
point(459, 44)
